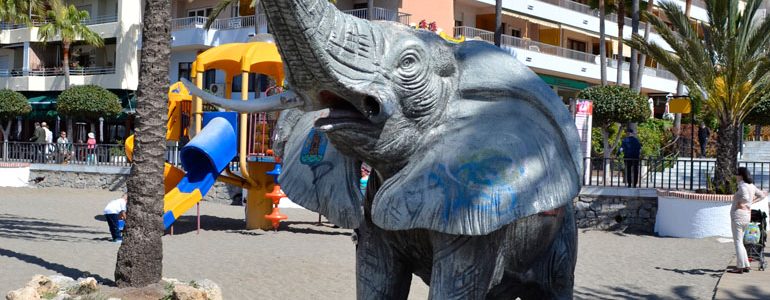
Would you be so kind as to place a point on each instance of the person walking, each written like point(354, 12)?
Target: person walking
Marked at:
point(740, 216)
point(48, 148)
point(113, 212)
point(632, 149)
point(38, 137)
point(91, 148)
point(703, 138)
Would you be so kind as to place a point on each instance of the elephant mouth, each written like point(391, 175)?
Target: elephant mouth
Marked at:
point(343, 114)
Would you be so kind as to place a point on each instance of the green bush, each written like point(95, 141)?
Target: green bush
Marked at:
point(616, 104)
point(653, 135)
point(88, 102)
point(13, 104)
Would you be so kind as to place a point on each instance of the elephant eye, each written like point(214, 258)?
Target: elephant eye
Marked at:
point(408, 61)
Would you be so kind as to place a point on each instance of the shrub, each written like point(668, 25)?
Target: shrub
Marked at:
point(760, 115)
point(88, 102)
point(653, 135)
point(13, 104)
point(616, 104)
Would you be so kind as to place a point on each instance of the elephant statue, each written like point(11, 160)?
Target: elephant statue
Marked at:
point(475, 159)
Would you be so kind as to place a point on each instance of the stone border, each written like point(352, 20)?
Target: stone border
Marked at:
point(695, 196)
point(111, 170)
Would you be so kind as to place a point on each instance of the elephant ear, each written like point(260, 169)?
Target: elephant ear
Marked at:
point(315, 175)
point(506, 149)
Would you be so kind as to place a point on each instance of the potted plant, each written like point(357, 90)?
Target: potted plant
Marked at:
point(724, 65)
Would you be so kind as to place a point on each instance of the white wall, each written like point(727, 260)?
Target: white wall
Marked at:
point(176, 58)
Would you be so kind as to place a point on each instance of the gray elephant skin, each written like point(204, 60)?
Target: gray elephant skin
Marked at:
point(476, 161)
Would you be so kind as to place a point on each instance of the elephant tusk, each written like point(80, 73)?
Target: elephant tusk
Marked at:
point(282, 101)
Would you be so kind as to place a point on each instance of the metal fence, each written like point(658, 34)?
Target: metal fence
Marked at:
point(55, 153)
point(664, 173)
point(380, 13)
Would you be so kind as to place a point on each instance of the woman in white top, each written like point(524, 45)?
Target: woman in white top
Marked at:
point(740, 214)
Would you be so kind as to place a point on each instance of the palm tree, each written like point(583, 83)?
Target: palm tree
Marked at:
point(620, 8)
point(602, 43)
point(727, 70)
point(66, 22)
point(19, 11)
point(632, 71)
point(643, 57)
point(498, 22)
point(140, 257)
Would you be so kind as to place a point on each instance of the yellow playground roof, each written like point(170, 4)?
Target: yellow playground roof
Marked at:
point(233, 59)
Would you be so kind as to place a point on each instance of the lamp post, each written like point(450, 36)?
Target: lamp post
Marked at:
point(683, 105)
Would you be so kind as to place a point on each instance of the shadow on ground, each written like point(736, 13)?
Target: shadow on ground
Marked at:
point(628, 293)
point(709, 272)
point(58, 268)
point(188, 224)
point(35, 229)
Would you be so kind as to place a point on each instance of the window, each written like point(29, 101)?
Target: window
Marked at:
point(576, 45)
point(458, 23)
point(516, 32)
point(201, 12)
point(184, 70)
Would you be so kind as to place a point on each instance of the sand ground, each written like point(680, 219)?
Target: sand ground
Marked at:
point(60, 231)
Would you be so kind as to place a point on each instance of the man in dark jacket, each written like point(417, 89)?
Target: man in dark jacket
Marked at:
point(703, 138)
point(38, 138)
point(632, 150)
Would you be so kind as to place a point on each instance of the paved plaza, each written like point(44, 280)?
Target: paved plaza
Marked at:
point(60, 231)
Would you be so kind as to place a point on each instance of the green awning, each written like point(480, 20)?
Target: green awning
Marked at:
point(564, 82)
point(42, 100)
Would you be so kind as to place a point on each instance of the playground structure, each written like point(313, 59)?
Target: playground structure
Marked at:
point(216, 138)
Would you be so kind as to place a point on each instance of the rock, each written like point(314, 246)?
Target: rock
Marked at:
point(62, 297)
point(85, 286)
point(25, 293)
point(63, 282)
point(644, 213)
point(43, 285)
point(581, 206)
point(186, 292)
point(212, 290)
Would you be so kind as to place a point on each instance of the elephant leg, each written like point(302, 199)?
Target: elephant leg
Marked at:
point(380, 274)
point(465, 267)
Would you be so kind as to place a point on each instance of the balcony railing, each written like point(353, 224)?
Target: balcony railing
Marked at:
point(218, 24)
point(187, 23)
point(237, 22)
point(58, 71)
point(582, 8)
point(656, 72)
point(515, 42)
point(381, 14)
point(37, 23)
point(526, 44)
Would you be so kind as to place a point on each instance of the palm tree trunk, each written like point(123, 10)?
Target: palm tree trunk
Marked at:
point(66, 61)
point(643, 57)
point(370, 9)
point(602, 44)
point(632, 71)
point(727, 153)
point(621, 25)
point(140, 257)
point(498, 22)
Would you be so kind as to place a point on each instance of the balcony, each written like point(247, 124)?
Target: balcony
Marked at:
point(587, 63)
point(582, 8)
point(381, 14)
point(57, 71)
point(512, 41)
point(190, 31)
point(91, 21)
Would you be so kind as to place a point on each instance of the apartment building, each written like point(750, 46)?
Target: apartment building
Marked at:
point(558, 39)
point(35, 68)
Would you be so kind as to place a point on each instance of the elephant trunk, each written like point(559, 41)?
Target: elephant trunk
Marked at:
point(324, 50)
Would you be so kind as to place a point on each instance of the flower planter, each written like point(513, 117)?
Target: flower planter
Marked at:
point(691, 215)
